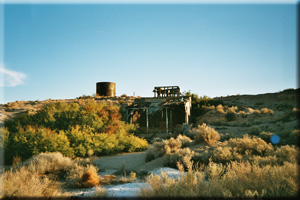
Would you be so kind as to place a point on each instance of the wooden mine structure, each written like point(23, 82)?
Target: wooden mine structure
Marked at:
point(166, 91)
point(167, 111)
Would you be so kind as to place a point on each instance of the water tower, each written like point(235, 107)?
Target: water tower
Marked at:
point(107, 89)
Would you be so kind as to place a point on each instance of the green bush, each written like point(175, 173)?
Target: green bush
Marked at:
point(72, 129)
point(290, 137)
point(254, 130)
point(230, 116)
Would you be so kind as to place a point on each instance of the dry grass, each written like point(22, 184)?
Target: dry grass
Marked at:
point(26, 182)
point(39, 176)
point(231, 180)
point(100, 192)
point(183, 156)
point(89, 179)
point(205, 133)
point(166, 147)
point(266, 111)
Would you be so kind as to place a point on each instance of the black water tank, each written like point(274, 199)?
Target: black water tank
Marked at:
point(106, 89)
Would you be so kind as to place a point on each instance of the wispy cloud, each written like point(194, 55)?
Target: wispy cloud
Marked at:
point(11, 78)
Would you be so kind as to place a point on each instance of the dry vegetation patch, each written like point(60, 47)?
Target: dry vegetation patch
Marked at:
point(205, 133)
point(45, 174)
point(232, 180)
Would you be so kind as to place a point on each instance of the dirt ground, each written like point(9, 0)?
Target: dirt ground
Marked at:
point(130, 161)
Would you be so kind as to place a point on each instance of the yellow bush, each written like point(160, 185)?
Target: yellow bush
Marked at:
point(89, 179)
point(172, 145)
point(266, 111)
point(26, 182)
point(220, 109)
point(232, 109)
point(232, 180)
point(181, 155)
point(205, 133)
point(251, 145)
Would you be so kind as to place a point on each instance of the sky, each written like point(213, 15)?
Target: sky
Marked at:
point(60, 51)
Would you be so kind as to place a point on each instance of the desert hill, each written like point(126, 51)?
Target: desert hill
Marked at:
point(271, 112)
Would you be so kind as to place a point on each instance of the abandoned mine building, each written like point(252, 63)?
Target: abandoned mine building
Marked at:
point(166, 112)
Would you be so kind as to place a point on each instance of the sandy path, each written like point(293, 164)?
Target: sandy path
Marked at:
point(132, 161)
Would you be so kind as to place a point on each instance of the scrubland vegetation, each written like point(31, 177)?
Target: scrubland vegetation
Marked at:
point(235, 179)
point(238, 167)
point(75, 131)
point(52, 149)
point(46, 174)
point(91, 129)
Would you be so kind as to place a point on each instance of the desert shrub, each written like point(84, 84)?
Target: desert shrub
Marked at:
point(252, 149)
point(266, 136)
point(150, 155)
point(40, 176)
point(256, 112)
point(251, 146)
point(11, 106)
point(164, 147)
point(185, 141)
point(171, 145)
point(225, 154)
point(254, 130)
point(181, 155)
point(25, 183)
point(243, 113)
point(266, 111)
point(71, 129)
point(100, 117)
point(202, 156)
point(132, 143)
point(230, 116)
point(236, 149)
point(209, 107)
point(89, 179)
point(220, 109)
point(157, 149)
point(290, 116)
point(33, 141)
point(206, 133)
point(266, 181)
point(234, 179)
point(226, 136)
point(284, 106)
point(232, 109)
point(290, 137)
point(287, 154)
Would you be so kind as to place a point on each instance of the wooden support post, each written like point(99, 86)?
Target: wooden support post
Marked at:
point(167, 128)
point(186, 118)
point(147, 119)
point(171, 120)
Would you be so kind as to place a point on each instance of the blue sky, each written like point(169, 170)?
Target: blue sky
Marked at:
point(60, 51)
